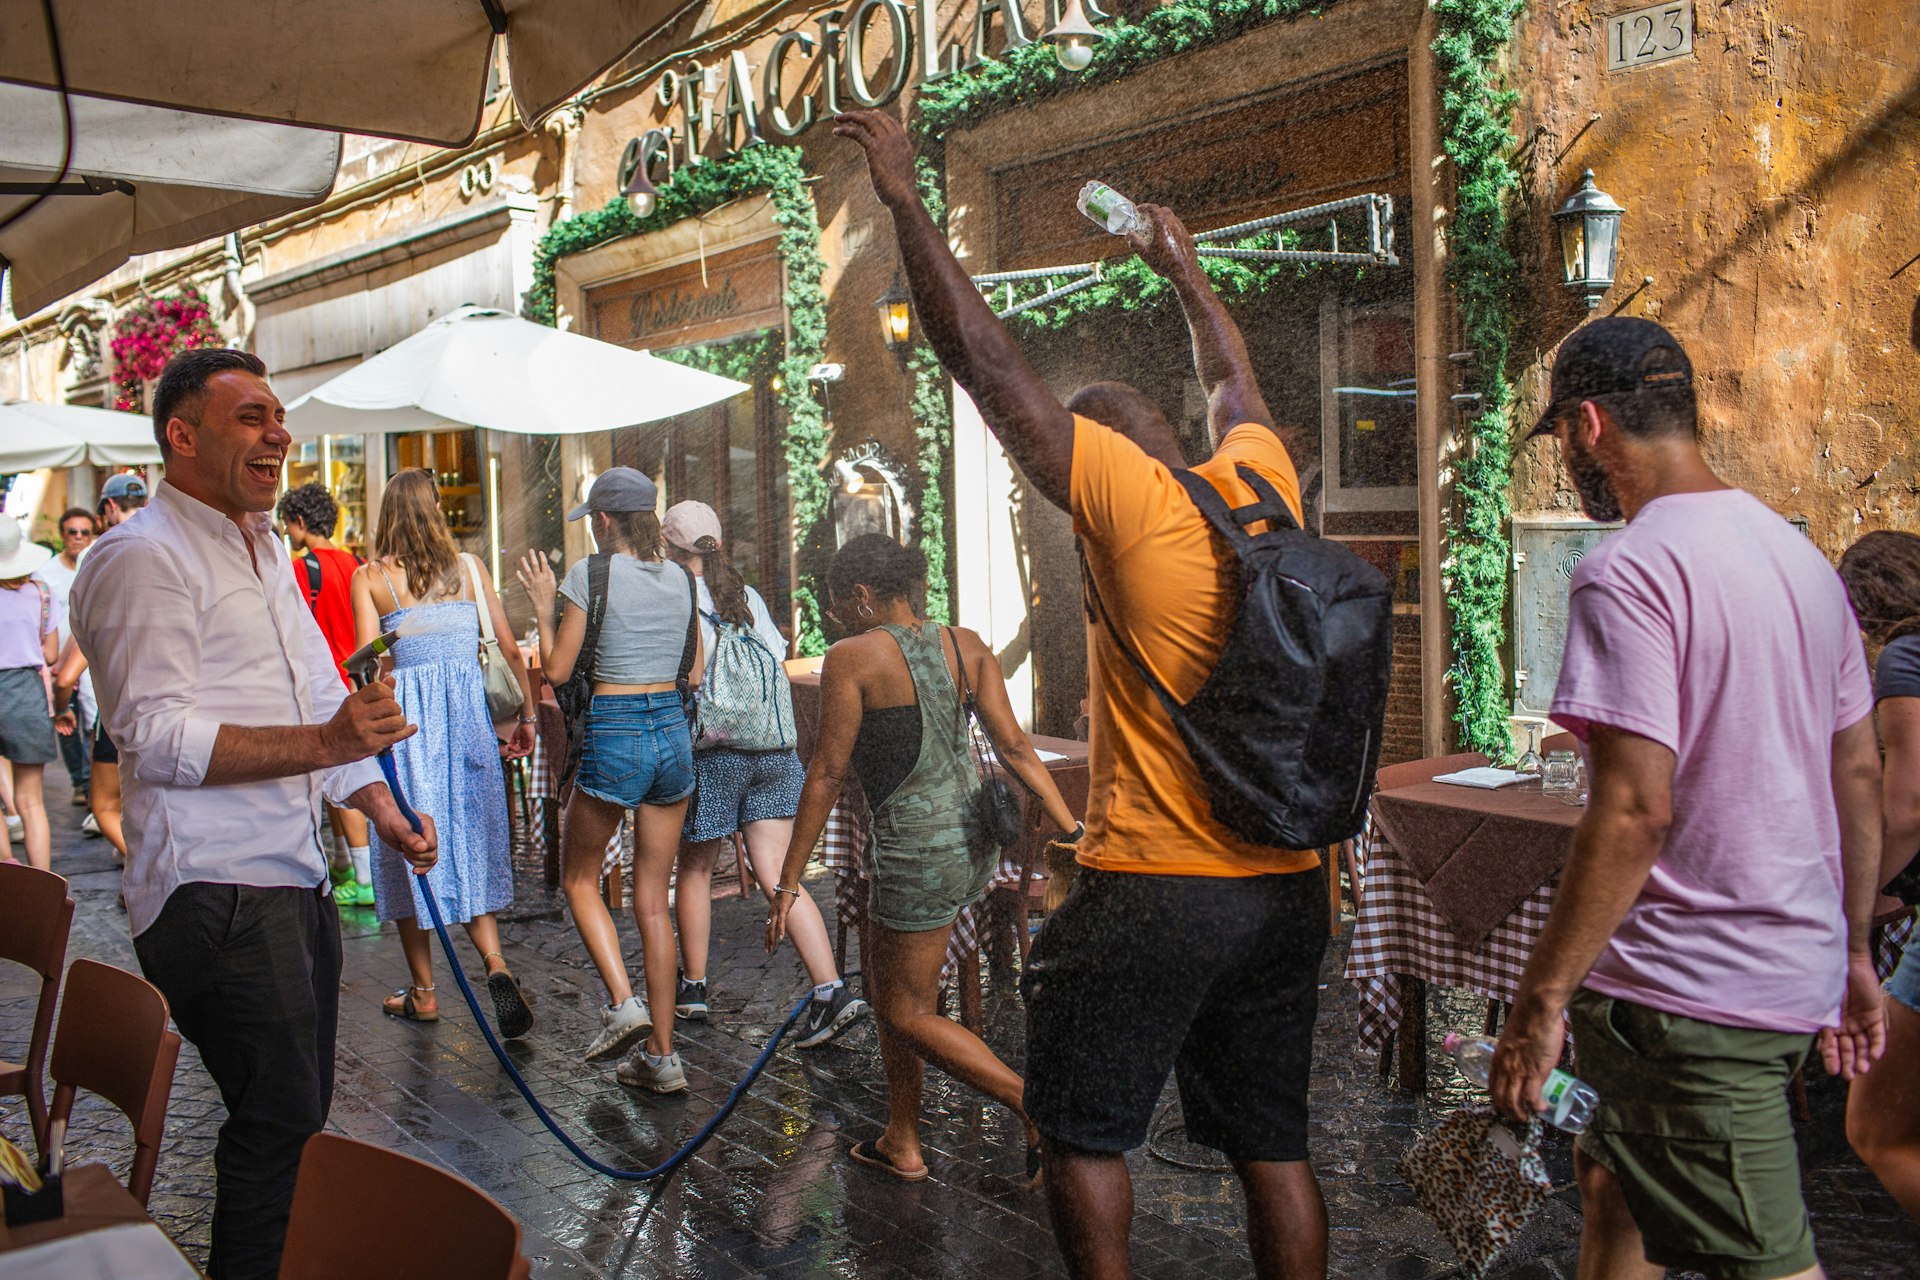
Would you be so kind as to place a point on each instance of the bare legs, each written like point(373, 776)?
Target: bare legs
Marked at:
point(656, 831)
point(417, 944)
point(1090, 1199)
point(903, 981)
point(693, 906)
point(1610, 1243)
point(103, 794)
point(590, 824)
point(31, 805)
point(1883, 1110)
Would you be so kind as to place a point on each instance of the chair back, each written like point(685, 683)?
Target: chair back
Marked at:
point(447, 1228)
point(1395, 776)
point(113, 1040)
point(33, 932)
point(1559, 742)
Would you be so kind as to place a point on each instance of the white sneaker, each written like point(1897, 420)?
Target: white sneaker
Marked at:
point(644, 1071)
point(620, 1026)
point(90, 825)
point(16, 830)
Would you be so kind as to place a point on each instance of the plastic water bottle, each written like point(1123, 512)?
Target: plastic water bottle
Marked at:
point(1570, 1102)
point(1108, 208)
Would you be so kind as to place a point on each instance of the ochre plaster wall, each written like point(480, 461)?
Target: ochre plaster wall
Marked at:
point(1769, 185)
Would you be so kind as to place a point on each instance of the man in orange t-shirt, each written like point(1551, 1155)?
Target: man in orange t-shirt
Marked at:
point(1181, 947)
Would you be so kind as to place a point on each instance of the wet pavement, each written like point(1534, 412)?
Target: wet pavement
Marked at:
point(774, 1194)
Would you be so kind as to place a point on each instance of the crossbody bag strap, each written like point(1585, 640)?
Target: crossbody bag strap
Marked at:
point(311, 562)
point(472, 565)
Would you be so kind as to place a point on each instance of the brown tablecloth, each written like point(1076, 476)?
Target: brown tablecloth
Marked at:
point(1479, 854)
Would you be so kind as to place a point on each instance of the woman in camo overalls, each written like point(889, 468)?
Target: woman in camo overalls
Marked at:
point(890, 708)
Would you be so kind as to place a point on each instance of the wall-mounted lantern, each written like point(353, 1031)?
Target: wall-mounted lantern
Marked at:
point(636, 171)
point(1589, 239)
point(1073, 37)
point(896, 317)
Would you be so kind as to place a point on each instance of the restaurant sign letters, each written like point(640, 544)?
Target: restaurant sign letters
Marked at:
point(720, 107)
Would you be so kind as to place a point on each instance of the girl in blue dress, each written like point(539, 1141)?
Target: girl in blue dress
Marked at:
point(420, 583)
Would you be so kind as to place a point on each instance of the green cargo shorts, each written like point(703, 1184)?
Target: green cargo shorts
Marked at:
point(1693, 1121)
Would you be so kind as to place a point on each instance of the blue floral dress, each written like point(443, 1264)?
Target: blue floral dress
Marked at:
point(450, 770)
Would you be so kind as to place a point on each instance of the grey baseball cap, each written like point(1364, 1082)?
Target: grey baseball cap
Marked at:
point(123, 485)
point(619, 489)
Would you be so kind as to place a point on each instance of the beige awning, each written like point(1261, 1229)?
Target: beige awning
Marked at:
point(414, 69)
point(147, 179)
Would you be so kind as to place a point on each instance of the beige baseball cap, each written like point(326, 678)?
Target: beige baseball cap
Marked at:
point(687, 524)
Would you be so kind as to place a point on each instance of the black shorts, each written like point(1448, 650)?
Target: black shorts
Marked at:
point(1215, 978)
point(104, 752)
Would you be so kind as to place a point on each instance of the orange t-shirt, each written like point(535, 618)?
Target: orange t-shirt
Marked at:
point(1164, 583)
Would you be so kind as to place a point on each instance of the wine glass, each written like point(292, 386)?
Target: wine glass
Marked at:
point(1529, 763)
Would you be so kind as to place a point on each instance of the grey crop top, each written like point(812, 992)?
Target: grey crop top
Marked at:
point(645, 627)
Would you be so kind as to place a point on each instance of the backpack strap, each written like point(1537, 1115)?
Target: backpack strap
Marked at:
point(597, 566)
point(693, 639)
point(1231, 523)
point(312, 564)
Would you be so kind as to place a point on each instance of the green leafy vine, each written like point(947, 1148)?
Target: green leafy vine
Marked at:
point(695, 190)
point(1475, 111)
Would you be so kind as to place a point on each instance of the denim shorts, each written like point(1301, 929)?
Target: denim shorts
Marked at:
point(1904, 985)
point(639, 750)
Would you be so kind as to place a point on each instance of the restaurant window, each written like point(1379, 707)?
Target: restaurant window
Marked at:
point(1369, 432)
point(454, 459)
point(340, 464)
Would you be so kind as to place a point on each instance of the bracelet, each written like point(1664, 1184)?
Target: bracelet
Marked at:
point(780, 888)
point(527, 719)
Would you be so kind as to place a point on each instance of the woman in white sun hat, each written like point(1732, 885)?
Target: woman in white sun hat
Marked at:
point(27, 632)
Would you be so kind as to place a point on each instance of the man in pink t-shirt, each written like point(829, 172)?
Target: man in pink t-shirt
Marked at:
point(1712, 918)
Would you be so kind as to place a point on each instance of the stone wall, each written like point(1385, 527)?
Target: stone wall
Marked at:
point(1769, 186)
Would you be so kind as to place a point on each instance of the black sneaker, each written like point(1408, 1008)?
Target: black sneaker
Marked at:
point(827, 1018)
point(691, 1002)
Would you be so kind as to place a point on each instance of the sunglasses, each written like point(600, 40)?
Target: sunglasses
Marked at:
point(77, 533)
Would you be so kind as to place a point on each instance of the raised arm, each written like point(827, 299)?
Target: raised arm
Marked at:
point(1219, 352)
point(1033, 427)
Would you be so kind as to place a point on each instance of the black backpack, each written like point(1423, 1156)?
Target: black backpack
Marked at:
point(1286, 730)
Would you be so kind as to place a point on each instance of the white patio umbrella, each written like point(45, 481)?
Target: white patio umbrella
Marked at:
point(34, 435)
point(484, 368)
point(412, 69)
point(139, 179)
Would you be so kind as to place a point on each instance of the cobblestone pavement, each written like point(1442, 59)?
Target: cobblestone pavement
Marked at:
point(774, 1194)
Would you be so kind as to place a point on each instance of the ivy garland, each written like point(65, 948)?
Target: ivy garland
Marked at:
point(1475, 109)
point(695, 190)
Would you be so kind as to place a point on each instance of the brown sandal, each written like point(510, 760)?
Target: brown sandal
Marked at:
point(406, 1008)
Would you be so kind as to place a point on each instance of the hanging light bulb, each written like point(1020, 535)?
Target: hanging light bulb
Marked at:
point(641, 196)
point(1073, 37)
point(636, 163)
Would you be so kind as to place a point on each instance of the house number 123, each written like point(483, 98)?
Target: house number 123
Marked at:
point(1654, 34)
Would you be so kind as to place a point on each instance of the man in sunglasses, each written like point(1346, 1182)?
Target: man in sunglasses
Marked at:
point(77, 530)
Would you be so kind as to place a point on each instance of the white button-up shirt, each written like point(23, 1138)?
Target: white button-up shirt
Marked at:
point(183, 636)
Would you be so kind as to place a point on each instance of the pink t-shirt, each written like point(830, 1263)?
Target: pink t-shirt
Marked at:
point(21, 613)
point(1712, 626)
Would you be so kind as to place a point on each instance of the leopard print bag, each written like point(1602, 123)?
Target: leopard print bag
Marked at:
point(1479, 1181)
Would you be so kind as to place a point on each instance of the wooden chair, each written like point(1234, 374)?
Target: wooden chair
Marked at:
point(551, 727)
point(1558, 742)
point(33, 932)
point(448, 1228)
point(113, 1040)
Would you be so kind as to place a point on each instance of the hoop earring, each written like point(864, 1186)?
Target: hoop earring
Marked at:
point(864, 610)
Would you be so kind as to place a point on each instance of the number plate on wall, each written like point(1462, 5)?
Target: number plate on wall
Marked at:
point(1640, 37)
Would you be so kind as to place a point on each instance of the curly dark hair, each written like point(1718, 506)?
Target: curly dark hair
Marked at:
point(1882, 575)
point(312, 506)
point(881, 565)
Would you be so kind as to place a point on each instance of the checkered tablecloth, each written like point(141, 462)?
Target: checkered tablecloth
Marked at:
point(1399, 935)
point(842, 848)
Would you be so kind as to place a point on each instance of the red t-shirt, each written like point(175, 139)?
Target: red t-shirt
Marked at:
point(333, 605)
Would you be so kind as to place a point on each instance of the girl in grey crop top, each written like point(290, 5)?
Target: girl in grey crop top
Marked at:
point(644, 630)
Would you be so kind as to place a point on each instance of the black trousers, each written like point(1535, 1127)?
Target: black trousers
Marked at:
point(73, 754)
point(253, 978)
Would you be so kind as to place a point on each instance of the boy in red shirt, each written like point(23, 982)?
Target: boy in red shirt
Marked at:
point(308, 516)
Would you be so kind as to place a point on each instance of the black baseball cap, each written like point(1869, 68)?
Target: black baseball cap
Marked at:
point(1609, 356)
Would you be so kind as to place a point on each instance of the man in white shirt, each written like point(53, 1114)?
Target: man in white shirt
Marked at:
point(77, 528)
point(232, 725)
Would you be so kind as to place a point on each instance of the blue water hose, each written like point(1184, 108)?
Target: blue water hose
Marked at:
point(673, 1161)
